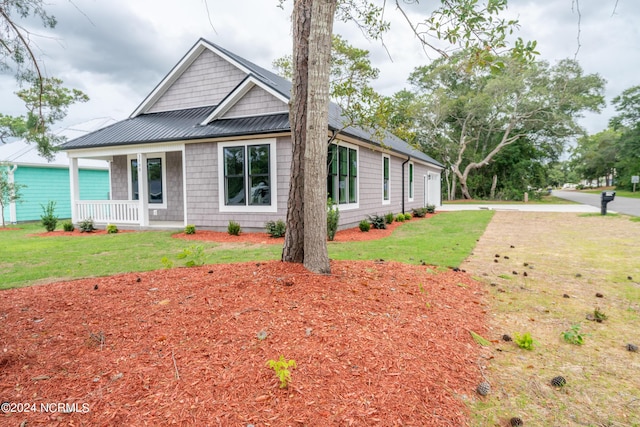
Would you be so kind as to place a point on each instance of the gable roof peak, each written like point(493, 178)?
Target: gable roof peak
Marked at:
point(270, 79)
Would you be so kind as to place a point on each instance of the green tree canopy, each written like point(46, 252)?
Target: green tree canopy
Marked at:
point(467, 116)
point(45, 99)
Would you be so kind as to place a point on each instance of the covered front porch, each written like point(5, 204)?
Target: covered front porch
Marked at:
point(151, 197)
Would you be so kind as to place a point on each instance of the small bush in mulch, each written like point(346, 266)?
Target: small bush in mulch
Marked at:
point(388, 218)
point(378, 222)
point(48, 218)
point(233, 228)
point(86, 226)
point(364, 225)
point(276, 228)
point(419, 212)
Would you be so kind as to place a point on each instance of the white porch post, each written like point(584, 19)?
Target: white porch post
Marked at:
point(13, 214)
point(143, 190)
point(184, 185)
point(74, 183)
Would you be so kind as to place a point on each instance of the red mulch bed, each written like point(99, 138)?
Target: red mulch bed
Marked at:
point(348, 235)
point(384, 344)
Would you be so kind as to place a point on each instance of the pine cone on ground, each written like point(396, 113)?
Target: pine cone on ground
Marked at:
point(483, 388)
point(558, 381)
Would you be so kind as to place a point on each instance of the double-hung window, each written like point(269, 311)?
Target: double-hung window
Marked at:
point(342, 176)
point(247, 177)
point(386, 195)
point(411, 182)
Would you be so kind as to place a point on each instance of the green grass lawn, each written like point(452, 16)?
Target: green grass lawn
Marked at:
point(445, 240)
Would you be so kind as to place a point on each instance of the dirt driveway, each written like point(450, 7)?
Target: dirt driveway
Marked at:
point(546, 273)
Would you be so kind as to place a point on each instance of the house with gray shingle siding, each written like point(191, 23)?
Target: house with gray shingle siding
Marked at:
point(212, 143)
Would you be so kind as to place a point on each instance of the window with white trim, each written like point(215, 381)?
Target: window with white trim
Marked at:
point(411, 182)
point(246, 176)
point(342, 174)
point(386, 193)
point(156, 179)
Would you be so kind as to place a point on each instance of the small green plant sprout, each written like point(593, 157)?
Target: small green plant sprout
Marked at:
point(599, 316)
point(233, 228)
point(276, 228)
point(68, 226)
point(48, 217)
point(112, 229)
point(573, 335)
point(480, 339)
point(525, 341)
point(281, 368)
point(190, 229)
point(166, 262)
point(193, 255)
point(364, 225)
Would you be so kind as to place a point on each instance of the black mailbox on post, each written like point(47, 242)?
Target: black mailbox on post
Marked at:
point(606, 197)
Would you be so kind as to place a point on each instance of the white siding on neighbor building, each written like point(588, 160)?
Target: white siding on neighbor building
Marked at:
point(257, 102)
point(206, 82)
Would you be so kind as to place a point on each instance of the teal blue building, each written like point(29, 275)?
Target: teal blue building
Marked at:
point(43, 181)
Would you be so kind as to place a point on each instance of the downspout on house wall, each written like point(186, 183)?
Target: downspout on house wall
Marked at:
point(404, 163)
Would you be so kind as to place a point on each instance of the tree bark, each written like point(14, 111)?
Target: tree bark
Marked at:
point(316, 257)
point(293, 249)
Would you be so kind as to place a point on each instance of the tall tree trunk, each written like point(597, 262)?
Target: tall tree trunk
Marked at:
point(293, 250)
point(494, 183)
point(316, 257)
point(454, 186)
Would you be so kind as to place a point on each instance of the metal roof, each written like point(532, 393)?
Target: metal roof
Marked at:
point(178, 125)
point(185, 124)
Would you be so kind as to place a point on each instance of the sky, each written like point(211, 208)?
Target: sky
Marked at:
point(117, 51)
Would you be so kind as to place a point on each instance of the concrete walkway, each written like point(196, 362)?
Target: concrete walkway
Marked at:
point(522, 207)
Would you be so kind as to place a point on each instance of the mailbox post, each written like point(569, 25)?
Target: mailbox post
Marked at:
point(606, 197)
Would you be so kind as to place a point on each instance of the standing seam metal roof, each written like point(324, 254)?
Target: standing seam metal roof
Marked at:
point(185, 124)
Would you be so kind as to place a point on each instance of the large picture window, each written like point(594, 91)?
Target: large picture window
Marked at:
point(342, 174)
point(154, 179)
point(246, 176)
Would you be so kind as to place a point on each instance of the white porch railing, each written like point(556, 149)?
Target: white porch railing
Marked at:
point(109, 211)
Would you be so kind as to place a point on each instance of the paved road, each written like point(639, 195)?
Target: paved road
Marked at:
point(625, 205)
